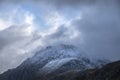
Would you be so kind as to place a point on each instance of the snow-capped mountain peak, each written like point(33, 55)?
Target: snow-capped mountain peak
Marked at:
point(53, 60)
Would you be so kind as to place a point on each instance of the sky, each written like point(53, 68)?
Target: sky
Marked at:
point(28, 25)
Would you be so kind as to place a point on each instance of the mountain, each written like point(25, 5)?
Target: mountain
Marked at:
point(50, 61)
point(110, 71)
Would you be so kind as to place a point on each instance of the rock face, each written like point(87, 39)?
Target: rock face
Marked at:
point(51, 62)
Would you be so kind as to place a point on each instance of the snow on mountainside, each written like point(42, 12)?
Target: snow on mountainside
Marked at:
point(65, 64)
point(52, 60)
point(55, 52)
point(60, 54)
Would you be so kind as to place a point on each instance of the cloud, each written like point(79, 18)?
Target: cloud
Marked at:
point(93, 25)
point(54, 2)
point(100, 29)
point(97, 30)
point(61, 3)
point(16, 31)
point(12, 41)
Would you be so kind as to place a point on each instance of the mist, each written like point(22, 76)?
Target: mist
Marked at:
point(93, 25)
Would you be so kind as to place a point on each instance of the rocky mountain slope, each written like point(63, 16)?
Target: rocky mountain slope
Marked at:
point(52, 60)
point(110, 71)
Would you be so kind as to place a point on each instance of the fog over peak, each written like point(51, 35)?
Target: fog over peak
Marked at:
point(26, 25)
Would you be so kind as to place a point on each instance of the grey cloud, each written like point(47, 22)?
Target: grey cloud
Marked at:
point(58, 3)
point(61, 32)
point(60, 36)
point(11, 35)
point(100, 29)
point(12, 42)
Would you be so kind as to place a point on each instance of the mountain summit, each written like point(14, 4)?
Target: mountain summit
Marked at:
point(50, 61)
